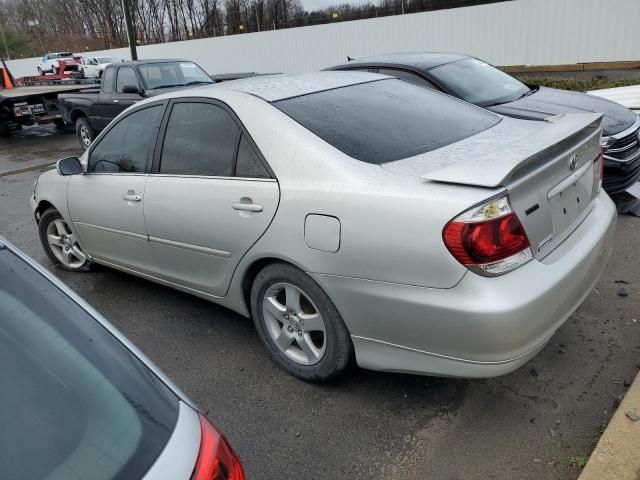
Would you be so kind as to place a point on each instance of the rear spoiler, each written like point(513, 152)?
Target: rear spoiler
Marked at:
point(496, 169)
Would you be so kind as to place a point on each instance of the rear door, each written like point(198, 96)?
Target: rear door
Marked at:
point(107, 204)
point(209, 198)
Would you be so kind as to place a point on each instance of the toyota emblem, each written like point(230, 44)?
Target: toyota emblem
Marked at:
point(573, 162)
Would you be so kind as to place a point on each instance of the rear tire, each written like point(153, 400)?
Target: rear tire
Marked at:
point(5, 130)
point(60, 244)
point(55, 70)
point(86, 133)
point(299, 324)
point(40, 72)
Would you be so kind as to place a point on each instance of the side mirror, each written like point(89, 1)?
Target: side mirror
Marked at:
point(69, 166)
point(130, 89)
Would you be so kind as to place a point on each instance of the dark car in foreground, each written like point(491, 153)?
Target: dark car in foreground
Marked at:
point(477, 82)
point(79, 401)
point(123, 84)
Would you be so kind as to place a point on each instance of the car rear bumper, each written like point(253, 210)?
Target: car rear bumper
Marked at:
point(483, 326)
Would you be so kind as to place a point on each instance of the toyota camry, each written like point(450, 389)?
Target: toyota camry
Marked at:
point(351, 215)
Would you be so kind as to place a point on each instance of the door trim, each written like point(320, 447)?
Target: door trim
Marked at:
point(194, 248)
point(137, 236)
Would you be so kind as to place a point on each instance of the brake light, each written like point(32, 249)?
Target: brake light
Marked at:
point(216, 459)
point(488, 239)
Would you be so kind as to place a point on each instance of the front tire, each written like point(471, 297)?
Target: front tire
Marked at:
point(60, 244)
point(299, 324)
point(86, 133)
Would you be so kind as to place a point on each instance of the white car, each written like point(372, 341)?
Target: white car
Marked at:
point(50, 63)
point(627, 96)
point(94, 66)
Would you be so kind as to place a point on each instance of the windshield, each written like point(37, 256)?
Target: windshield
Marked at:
point(478, 82)
point(386, 120)
point(172, 74)
point(107, 59)
point(75, 402)
point(61, 55)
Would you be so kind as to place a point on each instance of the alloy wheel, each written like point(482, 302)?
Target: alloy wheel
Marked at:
point(64, 245)
point(294, 323)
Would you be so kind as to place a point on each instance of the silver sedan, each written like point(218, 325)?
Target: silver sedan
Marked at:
point(349, 214)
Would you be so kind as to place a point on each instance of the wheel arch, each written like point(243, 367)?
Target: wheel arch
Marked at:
point(43, 206)
point(251, 272)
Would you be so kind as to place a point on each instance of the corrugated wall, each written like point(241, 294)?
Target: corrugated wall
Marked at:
point(520, 32)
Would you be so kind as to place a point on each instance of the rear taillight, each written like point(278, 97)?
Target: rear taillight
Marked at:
point(598, 169)
point(216, 459)
point(488, 239)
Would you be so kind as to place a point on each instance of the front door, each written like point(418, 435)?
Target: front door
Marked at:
point(209, 199)
point(120, 101)
point(107, 204)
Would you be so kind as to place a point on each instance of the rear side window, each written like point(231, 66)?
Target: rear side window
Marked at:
point(201, 139)
point(249, 164)
point(75, 403)
point(107, 81)
point(386, 120)
point(124, 148)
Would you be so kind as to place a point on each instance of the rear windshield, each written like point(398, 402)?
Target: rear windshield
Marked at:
point(386, 120)
point(75, 403)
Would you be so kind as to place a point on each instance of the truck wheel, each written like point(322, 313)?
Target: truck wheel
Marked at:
point(5, 131)
point(54, 70)
point(86, 133)
point(40, 72)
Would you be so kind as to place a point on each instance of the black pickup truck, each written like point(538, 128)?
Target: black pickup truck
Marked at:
point(124, 84)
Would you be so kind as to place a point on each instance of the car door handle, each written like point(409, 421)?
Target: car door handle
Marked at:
point(115, 101)
point(247, 207)
point(132, 197)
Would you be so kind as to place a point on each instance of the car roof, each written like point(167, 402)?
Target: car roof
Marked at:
point(272, 88)
point(418, 60)
point(154, 60)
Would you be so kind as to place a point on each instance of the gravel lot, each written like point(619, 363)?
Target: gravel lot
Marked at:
point(528, 424)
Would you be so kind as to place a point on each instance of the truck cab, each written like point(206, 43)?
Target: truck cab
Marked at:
point(123, 84)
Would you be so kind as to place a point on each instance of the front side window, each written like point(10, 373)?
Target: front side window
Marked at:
point(201, 139)
point(386, 120)
point(124, 147)
point(478, 82)
point(126, 76)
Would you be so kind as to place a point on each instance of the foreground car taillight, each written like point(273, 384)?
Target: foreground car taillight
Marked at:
point(216, 459)
point(488, 239)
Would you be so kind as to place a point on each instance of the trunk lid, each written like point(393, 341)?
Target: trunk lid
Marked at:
point(547, 168)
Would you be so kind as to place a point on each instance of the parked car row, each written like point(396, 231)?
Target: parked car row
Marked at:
point(448, 230)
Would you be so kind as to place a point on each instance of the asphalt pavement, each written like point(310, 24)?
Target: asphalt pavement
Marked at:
point(530, 424)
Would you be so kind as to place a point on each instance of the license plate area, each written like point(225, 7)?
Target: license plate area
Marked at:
point(25, 110)
point(570, 198)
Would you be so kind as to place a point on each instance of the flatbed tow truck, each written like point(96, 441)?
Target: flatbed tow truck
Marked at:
point(31, 100)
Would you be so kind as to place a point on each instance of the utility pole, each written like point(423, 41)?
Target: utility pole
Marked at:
point(257, 18)
point(4, 40)
point(131, 37)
